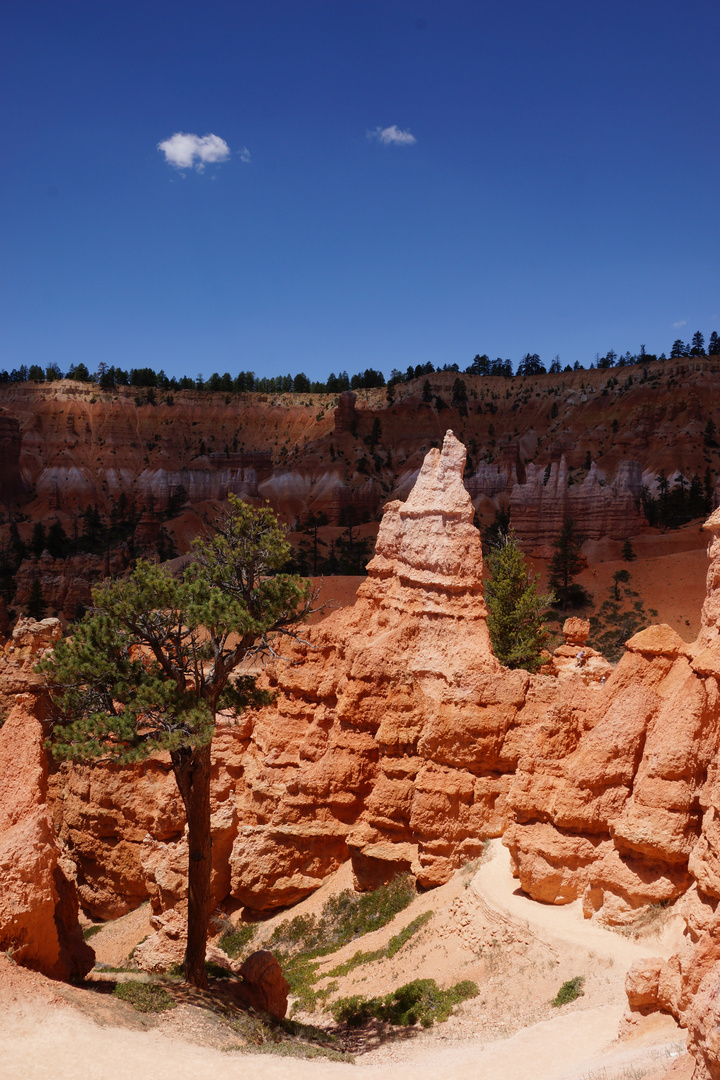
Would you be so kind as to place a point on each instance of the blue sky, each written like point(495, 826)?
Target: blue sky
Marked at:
point(560, 197)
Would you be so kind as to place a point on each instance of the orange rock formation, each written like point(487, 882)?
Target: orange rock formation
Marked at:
point(398, 739)
point(393, 739)
point(38, 903)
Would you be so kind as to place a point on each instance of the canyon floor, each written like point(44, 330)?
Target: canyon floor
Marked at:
point(482, 928)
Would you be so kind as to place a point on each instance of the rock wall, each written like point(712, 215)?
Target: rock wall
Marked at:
point(12, 488)
point(67, 583)
point(540, 505)
point(70, 444)
point(38, 902)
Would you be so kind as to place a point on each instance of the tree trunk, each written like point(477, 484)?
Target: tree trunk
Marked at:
point(192, 772)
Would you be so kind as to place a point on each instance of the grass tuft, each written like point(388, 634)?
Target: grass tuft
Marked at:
point(145, 997)
point(235, 940)
point(394, 945)
point(569, 991)
point(300, 941)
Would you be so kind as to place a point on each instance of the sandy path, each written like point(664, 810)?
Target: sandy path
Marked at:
point(563, 926)
point(65, 1046)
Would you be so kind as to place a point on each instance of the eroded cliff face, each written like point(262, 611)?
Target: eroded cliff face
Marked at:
point(540, 505)
point(397, 739)
point(615, 802)
point(68, 445)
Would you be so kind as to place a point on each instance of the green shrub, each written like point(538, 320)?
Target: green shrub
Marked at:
point(145, 997)
point(344, 917)
point(298, 942)
point(569, 991)
point(421, 1001)
point(237, 938)
point(91, 931)
point(394, 945)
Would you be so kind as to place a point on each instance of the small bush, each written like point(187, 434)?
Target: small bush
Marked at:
point(145, 997)
point(344, 917)
point(394, 945)
point(237, 938)
point(421, 1001)
point(91, 931)
point(569, 991)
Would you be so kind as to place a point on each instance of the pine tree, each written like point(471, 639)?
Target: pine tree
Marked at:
point(714, 344)
point(36, 601)
point(459, 396)
point(38, 542)
point(515, 608)
point(57, 541)
point(697, 346)
point(566, 564)
point(628, 552)
point(150, 667)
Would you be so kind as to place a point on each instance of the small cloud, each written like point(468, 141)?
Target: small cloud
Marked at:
point(682, 322)
point(183, 151)
point(392, 136)
point(244, 155)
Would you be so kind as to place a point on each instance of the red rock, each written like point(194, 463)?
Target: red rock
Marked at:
point(67, 583)
point(38, 903)
point(642, 984)
point(658, 640)
point(166, 947)
point(576, 631)
point(263, 985)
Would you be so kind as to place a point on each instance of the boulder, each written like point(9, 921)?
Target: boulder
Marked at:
point(263, 986)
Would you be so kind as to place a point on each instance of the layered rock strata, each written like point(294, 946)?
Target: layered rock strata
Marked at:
point(12, 488)
point(540, 505)
point(67, 583)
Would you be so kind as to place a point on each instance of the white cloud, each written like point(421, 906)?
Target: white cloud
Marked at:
point(244, 155)
point(185, 151)
point(682, 322)
point(392, 136)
